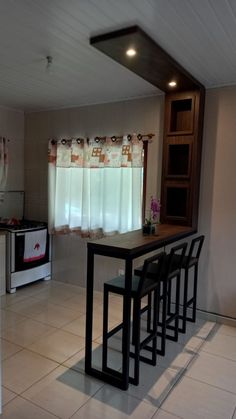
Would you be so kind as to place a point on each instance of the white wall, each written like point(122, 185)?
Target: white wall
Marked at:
point(12, 127)
point(217, 284)
point(142, 115)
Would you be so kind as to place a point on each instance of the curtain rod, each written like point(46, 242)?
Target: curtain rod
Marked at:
point(129, 137)
point(144, 137)
point(4, 139)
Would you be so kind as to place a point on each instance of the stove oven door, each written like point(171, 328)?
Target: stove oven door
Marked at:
point(19, 243)
point(22, 266)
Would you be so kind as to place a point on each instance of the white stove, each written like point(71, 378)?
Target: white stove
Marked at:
point(28, 244)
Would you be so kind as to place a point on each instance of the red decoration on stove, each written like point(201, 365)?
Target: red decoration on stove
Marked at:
point(37, 246)
point(13, 221)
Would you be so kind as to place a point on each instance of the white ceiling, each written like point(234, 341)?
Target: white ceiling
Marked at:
point(199, 34)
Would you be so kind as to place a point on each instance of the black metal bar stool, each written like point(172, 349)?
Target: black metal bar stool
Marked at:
point(141, 286)
point(171, 273)
point(189, 261)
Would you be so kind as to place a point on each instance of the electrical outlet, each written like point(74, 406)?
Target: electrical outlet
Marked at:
point(121, 272)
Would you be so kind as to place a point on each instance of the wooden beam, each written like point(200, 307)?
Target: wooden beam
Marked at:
point(150, 62)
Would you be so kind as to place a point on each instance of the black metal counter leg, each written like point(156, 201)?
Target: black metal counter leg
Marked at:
point(89, 311)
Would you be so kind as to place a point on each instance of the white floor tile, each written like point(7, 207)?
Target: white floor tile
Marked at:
point(109, 403)
point(10, 299)
point(55, 295)
point(222, 345)
point(226, 330)
point(29, 307)
point(22, 409)
point(58, 346)
point(195, 400)
point(23, 369)
point(214, 370)
point(196, 334)
point(63, 391)
point(115, 310)
point(177, 356)
point(27, 332)
point(161, 414)
point(78, 302)
point(77, 326)
point(7, 395)
point(8, 349)
point(56, 315)
point(10, 319)
point(77, 362)
point(155, 384)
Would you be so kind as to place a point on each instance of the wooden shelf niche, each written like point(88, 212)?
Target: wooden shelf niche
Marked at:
point(182, 157)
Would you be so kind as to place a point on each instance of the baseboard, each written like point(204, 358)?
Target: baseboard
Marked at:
point(213, 317)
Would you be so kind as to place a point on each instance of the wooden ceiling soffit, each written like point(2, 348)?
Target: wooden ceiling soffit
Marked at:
point(151, 62)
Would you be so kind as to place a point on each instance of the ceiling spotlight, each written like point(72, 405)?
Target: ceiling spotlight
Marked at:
point(172, 83)
point(49, 64)
point(131, 52)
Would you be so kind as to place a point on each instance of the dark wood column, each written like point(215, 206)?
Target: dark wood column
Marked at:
point(181, 162)
point(184, 108)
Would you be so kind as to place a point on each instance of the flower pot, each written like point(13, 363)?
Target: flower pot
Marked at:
point(156, 228)
point(148, 229)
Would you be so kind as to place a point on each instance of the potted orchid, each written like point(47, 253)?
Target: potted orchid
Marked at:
point(152, 220)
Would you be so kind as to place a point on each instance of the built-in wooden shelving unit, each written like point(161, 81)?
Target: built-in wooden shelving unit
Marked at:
point(183, 126)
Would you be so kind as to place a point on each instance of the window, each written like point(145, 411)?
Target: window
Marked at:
point(96, 188)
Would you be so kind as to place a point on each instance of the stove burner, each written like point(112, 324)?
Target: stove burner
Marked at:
point(22, 225)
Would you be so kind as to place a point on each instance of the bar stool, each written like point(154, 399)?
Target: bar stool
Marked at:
point(189, 261)
point(171, 273)
point(141, 286)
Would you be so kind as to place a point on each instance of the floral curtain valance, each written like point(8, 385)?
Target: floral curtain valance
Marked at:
point(92, 154)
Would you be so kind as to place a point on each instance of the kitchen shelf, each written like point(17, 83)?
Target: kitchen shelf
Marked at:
point(179, 160)
point(180, 116)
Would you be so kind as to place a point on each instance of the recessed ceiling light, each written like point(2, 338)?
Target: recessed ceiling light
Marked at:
point(172, 83)
point(131, 52)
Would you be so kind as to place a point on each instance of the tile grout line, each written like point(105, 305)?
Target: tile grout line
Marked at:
point(166, 411)
point(233, 417)
point(35, 382)
point(182, 373)
point(217, 355)
point(39, 407)
point(91, 397)
point(9, 401)
point(211, 385)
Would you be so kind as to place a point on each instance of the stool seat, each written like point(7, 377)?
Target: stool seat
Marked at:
point(152, 268)
point(117, 284)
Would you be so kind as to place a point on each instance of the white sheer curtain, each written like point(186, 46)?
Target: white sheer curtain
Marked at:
point(95, 188)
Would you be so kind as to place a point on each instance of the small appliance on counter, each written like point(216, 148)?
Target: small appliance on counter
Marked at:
point(27, 243)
